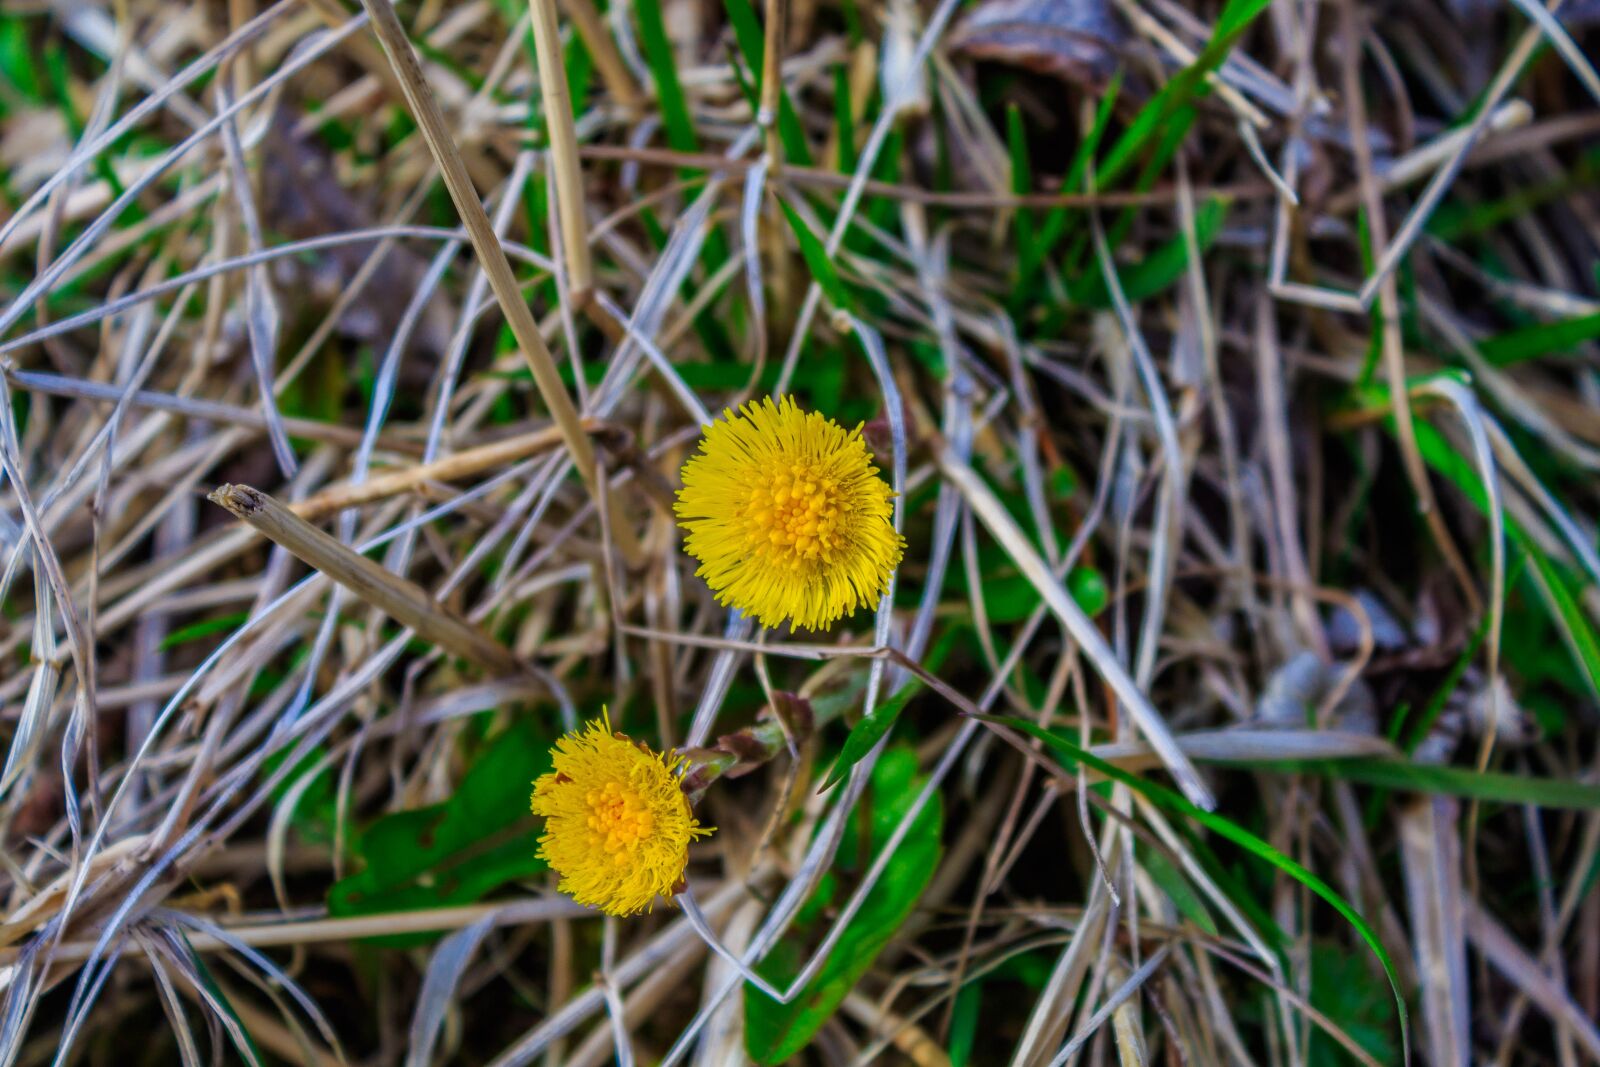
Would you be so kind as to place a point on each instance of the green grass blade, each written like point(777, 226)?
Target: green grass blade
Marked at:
point(1055, 222)
point(1583, 641)
point(1432, 779)
point(664, 71)
point(1160, 269)
point(1021, 179)
point(205, 628)
point(1530, 342)
point(844, 119)
point(753, 47)
point(1156, 115)
point(815, 254)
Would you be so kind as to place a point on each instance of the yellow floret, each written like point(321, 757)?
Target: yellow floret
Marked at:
point(617, 826)
point(787, 516)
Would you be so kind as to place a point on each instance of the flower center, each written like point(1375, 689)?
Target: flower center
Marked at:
point(793, 516)
point(619, 818)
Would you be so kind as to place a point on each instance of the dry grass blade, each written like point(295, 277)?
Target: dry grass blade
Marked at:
point(569, 201)
point(988, 508)
point(1387, 292)
point(619, 80)
point(493, 258)
point(462, 464)
point(1428, 836)
point(1232, 367)
point(1127, 1035)
point(1052, 1011)
point(1514, 962)
point(404, 601)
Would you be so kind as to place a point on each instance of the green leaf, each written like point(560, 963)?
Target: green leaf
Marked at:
point(868, 732)
point(316, 813)
point(1008, 597)
point(720, 377)
point(1177, 888)
point(747, 31)
point(964, 1023)
point(1031, 970)
point(1070, 755)
point(817, 261)
point(317, 392)
point(579, 65)
point(1088, 587)
point(1163, 267)
point(1536, 653)
point(854, 34)
point(1341, 988)
point(1063, 482)
point(1454, 221)
point(454, 852)
point(773, 1032)
point(825, 378)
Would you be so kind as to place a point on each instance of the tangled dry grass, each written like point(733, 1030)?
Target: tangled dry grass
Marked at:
point(1235, 367)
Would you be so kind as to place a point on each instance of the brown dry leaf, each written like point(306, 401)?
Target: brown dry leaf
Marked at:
point(1079, 41)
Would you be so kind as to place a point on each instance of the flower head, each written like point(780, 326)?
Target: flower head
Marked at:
point(787, 515)
point(617, 826)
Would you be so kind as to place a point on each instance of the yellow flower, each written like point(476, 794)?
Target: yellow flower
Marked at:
point(787, 516)
point(617, 827)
